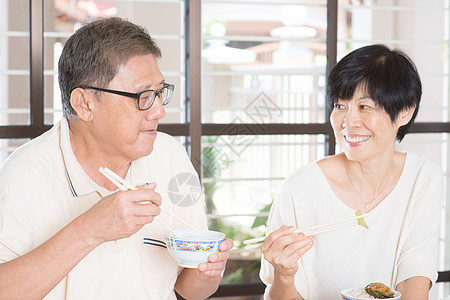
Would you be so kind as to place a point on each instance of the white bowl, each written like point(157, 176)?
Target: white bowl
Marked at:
point(350, 294)
point(191, 248)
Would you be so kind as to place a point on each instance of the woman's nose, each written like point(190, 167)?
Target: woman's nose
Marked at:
point(351, 118)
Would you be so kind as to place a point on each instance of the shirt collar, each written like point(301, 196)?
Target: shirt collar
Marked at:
point(80, 183)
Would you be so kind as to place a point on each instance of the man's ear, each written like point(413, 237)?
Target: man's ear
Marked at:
point(83, 103)
point(405, 115)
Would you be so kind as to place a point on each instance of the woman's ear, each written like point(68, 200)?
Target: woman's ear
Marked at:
point(405, 115)
point(83, 103)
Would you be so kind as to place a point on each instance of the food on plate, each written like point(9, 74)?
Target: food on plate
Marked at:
point(379, 290)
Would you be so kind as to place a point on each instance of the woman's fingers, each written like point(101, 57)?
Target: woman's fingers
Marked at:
point(286, 245)
point(292, 252)
point(275, 236)
point(283, 248)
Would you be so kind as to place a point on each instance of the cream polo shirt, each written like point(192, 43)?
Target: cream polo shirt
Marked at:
point(43, 188)
point(401, 242)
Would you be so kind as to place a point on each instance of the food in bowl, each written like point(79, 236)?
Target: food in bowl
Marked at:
point(191, 248)
point(379, 290)
point(361, 294)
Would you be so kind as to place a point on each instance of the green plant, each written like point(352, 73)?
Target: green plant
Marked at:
point(262, 220)
point(210, 171)
point(239, 269)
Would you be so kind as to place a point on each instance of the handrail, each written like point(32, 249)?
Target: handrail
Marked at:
point(443, 276)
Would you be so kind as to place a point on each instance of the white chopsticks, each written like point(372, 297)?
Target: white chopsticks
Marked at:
point(124, 185)
point(308, 232)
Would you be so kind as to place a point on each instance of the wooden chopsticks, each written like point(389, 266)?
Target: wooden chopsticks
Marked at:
point(359, 216)
point(124, 185)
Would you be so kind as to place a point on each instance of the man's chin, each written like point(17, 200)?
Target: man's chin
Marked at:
point(147, 151)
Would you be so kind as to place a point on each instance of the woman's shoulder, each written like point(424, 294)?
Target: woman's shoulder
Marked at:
point(306, 175)
point(422, 163)
point(302, 171)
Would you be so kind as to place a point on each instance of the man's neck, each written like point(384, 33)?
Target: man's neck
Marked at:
point(91, 156)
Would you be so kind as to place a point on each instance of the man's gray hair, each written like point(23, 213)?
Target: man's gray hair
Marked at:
point(93, 55)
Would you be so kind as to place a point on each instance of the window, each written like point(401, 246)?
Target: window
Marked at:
point(249, 101)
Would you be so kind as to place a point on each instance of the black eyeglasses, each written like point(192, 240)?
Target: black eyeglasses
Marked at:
point(145, 99)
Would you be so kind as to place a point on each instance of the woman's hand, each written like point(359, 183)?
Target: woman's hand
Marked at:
point(283, 248)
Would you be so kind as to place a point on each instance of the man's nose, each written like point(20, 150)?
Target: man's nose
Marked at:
point(157, 111)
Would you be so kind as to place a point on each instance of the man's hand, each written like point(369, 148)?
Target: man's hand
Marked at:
point(216, 261)
point(122, 214)
point(35, 274)
point(202, 282)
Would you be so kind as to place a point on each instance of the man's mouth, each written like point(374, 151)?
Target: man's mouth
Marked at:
point(149, 131)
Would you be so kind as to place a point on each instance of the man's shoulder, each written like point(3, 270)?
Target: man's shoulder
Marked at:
point(35, 156)
point(164, 138)
point(168, 153)
point(166, 143)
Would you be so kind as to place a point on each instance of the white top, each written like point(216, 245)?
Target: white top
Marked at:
point(43, 188)
point(401, 242)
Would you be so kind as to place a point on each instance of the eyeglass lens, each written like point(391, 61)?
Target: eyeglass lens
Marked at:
point(146, 99)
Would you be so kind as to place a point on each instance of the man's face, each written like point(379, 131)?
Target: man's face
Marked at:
point(119, 128)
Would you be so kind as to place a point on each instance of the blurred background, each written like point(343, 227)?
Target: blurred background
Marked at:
point(249, 101)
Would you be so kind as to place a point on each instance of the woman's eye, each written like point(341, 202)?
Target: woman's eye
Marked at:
point(338, 106)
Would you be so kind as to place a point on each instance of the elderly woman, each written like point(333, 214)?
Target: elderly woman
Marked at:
point(374, 93)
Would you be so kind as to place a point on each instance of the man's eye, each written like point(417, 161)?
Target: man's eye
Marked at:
point(146, 96)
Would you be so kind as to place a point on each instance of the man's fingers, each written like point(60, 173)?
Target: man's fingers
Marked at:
point(146, 210)
point(141, 220)
point(141, 195)
point(147, 185)
point(226, 245)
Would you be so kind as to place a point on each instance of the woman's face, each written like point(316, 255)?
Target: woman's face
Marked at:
point(362, 128)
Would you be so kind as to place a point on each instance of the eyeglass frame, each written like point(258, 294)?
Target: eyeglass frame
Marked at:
point(137, 96)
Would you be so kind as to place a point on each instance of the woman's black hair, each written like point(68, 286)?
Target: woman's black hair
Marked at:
point(389, 77)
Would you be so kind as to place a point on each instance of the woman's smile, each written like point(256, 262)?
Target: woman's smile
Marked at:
point(356, 139)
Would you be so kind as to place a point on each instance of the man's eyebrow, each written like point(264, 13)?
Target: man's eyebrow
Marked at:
point(149, 86)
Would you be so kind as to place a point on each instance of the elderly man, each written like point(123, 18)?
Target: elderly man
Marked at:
point(65, 232)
